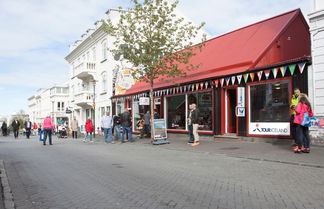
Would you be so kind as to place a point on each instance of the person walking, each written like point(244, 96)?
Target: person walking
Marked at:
point(106, 125)
point(126, 122)
point(4, 128)
point(48, 128)
point(302, 119)
point(190, 129)
point(89, 130)
point(15, 125)
point(147, 124)
point(74, 128)
point(35, 128)
point(28, 127)
point(194, 120)
point(117, 127)
point(293, 104)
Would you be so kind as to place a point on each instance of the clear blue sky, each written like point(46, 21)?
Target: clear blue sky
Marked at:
point(35, 35)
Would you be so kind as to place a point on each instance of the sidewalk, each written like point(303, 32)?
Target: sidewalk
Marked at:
point(274, 150)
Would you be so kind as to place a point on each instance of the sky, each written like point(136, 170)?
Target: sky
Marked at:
point(35, 35)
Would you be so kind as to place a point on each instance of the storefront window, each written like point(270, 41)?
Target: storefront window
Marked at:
point(176, 109)
point(270, 102)
point(139, 111)
point(120, 107)
point(203, 100)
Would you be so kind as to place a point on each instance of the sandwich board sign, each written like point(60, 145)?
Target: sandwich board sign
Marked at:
point(160, 131)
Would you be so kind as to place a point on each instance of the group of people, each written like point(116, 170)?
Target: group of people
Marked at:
point(29, 127)
point(301, 111)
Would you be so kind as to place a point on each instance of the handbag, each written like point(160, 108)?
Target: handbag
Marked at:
point(306, 120)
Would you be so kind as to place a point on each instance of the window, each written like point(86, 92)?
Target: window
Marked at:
point(62, 106)
point(58, 106)
point(104, 82)
point(176, 108)
point(120, 107)
point(104, 50)
point(203, 101)
point(139, 111)
point(270, 102)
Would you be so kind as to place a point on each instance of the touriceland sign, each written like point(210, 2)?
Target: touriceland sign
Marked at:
point(277, 129)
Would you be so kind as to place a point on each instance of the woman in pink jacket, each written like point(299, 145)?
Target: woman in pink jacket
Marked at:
point(302, 132)
point(48, 127)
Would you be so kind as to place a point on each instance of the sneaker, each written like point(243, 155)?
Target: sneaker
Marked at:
point(195, 144)
point(84, 141)
point(306, 150)
point(190, 142)
point(297, 150)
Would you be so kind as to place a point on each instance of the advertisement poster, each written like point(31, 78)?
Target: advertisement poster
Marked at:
point(282, 129)
point(160, 130)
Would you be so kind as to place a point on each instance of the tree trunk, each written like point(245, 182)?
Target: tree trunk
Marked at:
point(152, 110)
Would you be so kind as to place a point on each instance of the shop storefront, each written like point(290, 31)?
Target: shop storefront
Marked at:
point(247, 97)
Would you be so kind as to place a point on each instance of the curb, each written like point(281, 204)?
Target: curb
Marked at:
point(7, 194)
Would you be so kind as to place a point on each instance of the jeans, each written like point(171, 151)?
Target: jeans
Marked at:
point(86, 136)
point(129, 134)
point(16, 133)
point(117, 131)
point(191, 136)
point(302, 134)
point(47, 132)
point(108, 133)
point(147, 130)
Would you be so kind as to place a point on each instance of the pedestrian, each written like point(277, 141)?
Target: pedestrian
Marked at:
point(126, 123)
point(140, 127)
point(147, 124)
point(194, 121)
point(190, 129)
point(4, 128)
point(117, 126)
point(107, 124)
point(48, 127)
point(39, 129)
point(293, 104)
point(89, 130)
point(302, 119)
point(15, 125)
point(28, 127)
point(156, 114)
point(74, 127)
point(35, 128)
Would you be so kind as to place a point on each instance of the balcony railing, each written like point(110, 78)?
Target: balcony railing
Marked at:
point(84, 70)
point(83, 98)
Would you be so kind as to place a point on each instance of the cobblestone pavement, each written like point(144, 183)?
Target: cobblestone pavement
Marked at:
point(72, 174)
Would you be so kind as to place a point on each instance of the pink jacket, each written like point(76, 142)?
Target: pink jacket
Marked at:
point(300, 109)
point(47, 124)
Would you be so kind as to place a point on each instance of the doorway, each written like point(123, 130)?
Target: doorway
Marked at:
point(231, 102)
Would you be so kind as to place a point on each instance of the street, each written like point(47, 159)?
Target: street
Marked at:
point(72, 174)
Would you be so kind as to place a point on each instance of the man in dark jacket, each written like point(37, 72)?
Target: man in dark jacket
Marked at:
point(15, 125)
point(126, 123)
point(4, 128)
point(28, 127)
point(193, 124)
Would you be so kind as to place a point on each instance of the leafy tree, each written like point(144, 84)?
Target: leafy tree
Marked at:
point(150, 36)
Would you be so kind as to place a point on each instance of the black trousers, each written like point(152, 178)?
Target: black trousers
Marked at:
point(28, 132)
point(74, 134)
point(16, 133)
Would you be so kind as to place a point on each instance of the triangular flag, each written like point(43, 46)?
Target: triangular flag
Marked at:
point(260, 74)
point(246, 77)
point(216, 83)
point(197, 86)
point(239, 78)
point(193, 87)
point(252, 76)
point(283, 70)
point(267, 74)
point(292, 69)
point(233, 79)
point(206, 85)
point(301, 67)
point(227, 80)
point(275, 72)
point(201, 85)
point(222, 82)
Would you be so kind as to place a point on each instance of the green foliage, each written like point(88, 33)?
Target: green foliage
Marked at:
point(151, 37)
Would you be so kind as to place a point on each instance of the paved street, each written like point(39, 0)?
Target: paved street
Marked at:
point(73, 174)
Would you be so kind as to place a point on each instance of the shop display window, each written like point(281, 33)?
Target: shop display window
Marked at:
point(203, 100)
point(269, 102)
point(139, 111)
point(176, 110)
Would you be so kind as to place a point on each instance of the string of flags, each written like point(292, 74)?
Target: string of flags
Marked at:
point(231, 80)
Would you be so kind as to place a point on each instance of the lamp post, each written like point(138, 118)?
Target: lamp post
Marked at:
point(94, 108)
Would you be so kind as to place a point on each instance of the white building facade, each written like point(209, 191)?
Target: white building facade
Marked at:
point(316, 76)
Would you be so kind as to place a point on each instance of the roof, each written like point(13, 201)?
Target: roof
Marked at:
point(231, 53)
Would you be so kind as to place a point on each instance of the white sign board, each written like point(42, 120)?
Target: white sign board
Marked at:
point(277, 129)
point(144, 101)
point(160, 131)
point(157, 101)
point(241, 96)
point(240, 111)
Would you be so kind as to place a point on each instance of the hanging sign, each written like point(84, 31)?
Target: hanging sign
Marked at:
point(144, 101)
point(157, 101)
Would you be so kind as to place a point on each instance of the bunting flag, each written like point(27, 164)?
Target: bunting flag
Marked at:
point(283, 70)
point(167, 92)
point(193, 87)
point(260, 74)
point(292, 69)
point(222, 82)
point(216, 83)
point(181, 88)
point(246, 77)
point(267, 74)
point(252, 76)
point(227, 80)
point(239, 78)
point(201, 85)
point(206, 85)
point(233, 79)
point(301, 67)
point(275, 72)
point(185, 88)
point(197, 86)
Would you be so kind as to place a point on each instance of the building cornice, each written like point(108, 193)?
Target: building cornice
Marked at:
point(316, 15)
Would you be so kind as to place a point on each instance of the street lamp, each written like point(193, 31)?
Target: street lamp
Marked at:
point(94, 108)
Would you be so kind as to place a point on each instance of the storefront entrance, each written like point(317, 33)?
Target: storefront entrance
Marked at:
point(230, 113)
